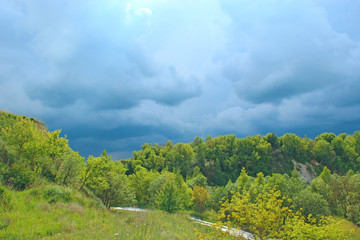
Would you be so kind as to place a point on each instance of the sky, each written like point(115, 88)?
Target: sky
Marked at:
point(117, 74)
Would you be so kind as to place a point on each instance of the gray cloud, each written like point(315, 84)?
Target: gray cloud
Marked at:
point(278, 52)
point(100, 63)
point(116, 74)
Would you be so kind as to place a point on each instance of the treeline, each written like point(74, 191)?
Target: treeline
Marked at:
point(221, 158)
point(195, 176)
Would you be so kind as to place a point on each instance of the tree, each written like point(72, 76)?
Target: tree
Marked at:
point(325, 175)
point(107, 180)
point(243, 180)
point(311, 203)
point(184, 158)
point(70, 168)
point(197, 179)
point(291, 145)
point(169, 192)
point(217, 195)
point(268, 216)
point(323, 152)
point(328, 137)
point(168, 198)
point(27, 141)
point(55, 148)
point(264, 217)
point(140, 182)
point(200, 198)
point(272, 139)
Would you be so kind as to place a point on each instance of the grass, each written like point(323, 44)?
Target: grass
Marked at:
point(208, 215)
point(31, 215)
point(54, 212)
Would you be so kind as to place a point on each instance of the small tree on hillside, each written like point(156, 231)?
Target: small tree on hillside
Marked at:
point(200, 197)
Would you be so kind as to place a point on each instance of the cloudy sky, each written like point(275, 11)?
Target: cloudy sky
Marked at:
point(116, 74)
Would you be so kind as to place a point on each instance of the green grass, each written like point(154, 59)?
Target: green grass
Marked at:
point(53, 212)
point(208, 215)
point(31, 215)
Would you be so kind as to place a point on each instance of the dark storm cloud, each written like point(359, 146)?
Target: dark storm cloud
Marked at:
point(116, 74)
point(116, 91)
point(121, 132)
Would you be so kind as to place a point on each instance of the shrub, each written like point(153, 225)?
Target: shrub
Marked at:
point(5, 199)
point(4, 222)
point(18, 176)
point(55, 193)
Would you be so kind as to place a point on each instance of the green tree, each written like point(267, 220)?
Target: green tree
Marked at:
point(200, 198)
point(27, 141)
point(323, 152)
point(168, 198)
point(55, 148)
point(243, 180)
point(70, 168)
point(197, 179)
point(328, 137)
point(272, 139)
point(169, 192)
point(140, 182)
point(311, 203)
point(268, 216)
point(108, 181)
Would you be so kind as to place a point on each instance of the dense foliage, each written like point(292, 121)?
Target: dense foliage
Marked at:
point(267, 215)
point(236, 177)
point(220, 159)
point(29, 152)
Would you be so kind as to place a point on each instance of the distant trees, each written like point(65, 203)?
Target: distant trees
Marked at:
point(220, 159)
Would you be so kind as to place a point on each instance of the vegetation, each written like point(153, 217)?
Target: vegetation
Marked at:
point(266, 214)
point(33, 215)
point(220, 159)
point(48, 190)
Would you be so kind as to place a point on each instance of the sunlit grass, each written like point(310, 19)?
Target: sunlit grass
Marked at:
point(31, 217)
point(208, 215)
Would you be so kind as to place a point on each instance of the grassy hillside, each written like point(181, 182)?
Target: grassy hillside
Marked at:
point(9, 118)
point(68, 214)
point(39, 213)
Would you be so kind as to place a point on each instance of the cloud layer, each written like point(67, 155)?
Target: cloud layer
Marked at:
point(116, 74)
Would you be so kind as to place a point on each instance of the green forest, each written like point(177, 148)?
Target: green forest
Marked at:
point(254, 183)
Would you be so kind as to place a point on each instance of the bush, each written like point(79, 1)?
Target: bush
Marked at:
point(311, 203)
point(18, 176)
point(55, 193)
point(5, 199)
point(4, 222)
